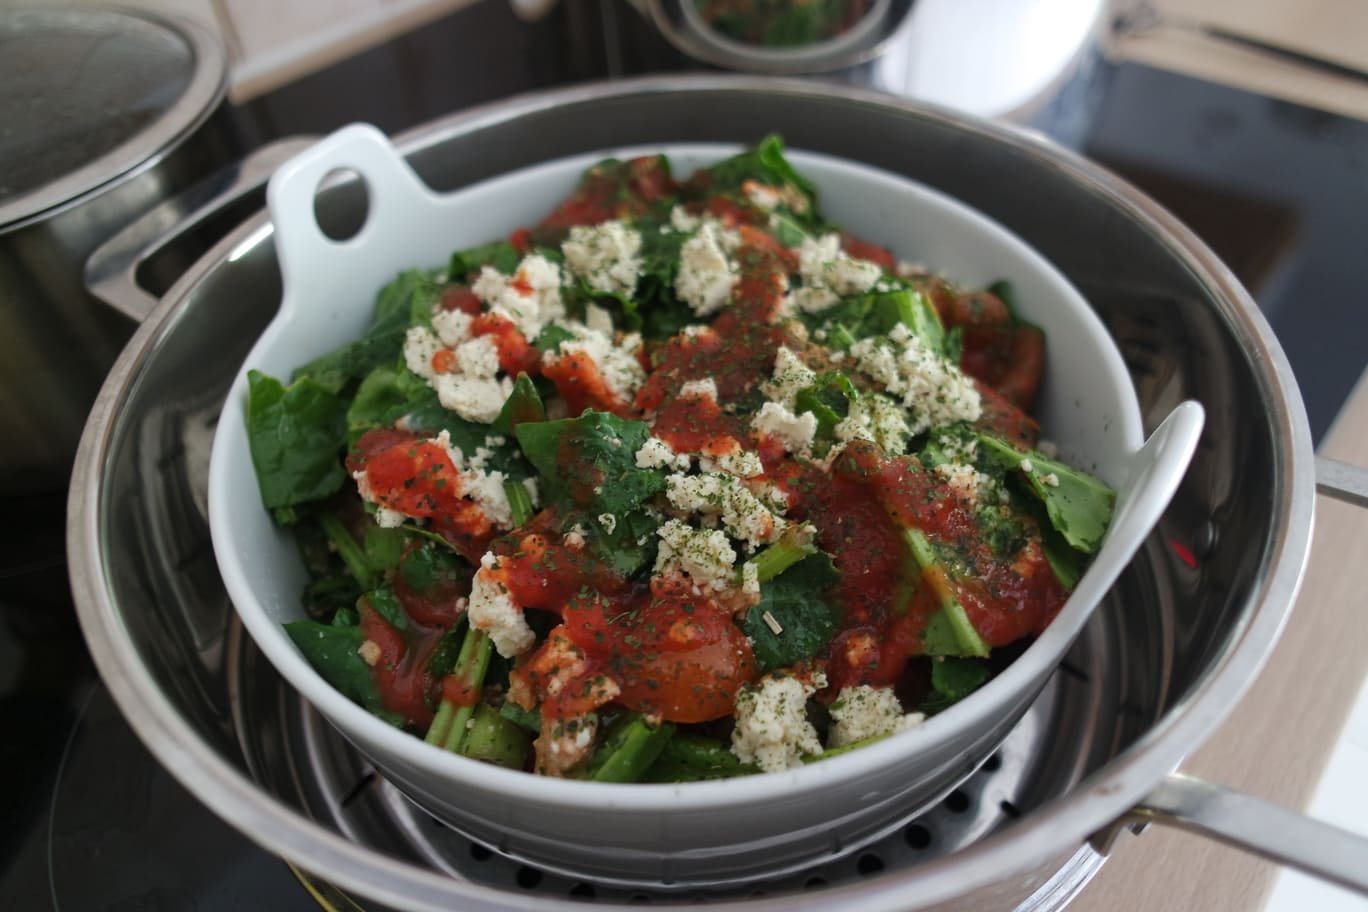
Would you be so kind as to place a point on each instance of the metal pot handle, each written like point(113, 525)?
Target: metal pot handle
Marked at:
point(111, 270)
point(1261, 827)
point(1342, 481)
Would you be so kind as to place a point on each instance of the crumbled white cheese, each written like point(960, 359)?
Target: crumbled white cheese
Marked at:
point(1051, 479)
point(605, 255)
point(863, 712)
point(772, 730)
point(451, 326)
point(608, 521)
point(762, 196)
point(743, 515)
point(657, 454)
point(370, 652)
point(705, 555)
point(967, 481)
point(1027, 466)
point(876, 418)
point(741, 463)
point(791, 376)
point(828, 272)
point(598, 319)
point(706, 388)
point(492, 610)
point(934, 391)
point(681, 220)
point(574, 537)
point(617, 363)
point(706, 274)
point(794, 432)
point(530, 298)
point(473, 388)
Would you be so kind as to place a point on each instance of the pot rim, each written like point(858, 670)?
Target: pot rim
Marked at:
point(147, 147)
point(1060, 826)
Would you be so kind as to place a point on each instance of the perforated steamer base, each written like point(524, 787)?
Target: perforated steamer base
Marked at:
point(298, 756)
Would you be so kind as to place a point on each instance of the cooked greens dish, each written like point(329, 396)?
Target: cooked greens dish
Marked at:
point(681, 483)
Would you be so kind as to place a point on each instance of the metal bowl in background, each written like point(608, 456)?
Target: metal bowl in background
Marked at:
point(1160, 664)
point(105, 113)
point(683, 26)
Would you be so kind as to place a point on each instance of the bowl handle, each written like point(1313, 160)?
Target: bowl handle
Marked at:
point(397, 201)
point(1261, 827)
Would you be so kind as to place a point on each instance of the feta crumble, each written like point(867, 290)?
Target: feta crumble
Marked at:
point(657, 454)
point(705, 555)
point(605, 256)
point(863, 712)
point(791, 376)
point(616, 362)
point(706, 274)
point(794, 432)
point(829, 272)
point(492, 610)
point(772, 730)
point(530, 298)
point(743, 515)
point(934, 391)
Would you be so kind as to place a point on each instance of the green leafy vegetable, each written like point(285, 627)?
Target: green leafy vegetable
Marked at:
point(591, 461)
point(413, 292)
point(949, 631)
point(465, 264)
point(295, 435)
point(795, 601)
point(523, 405)
point(491, 738)
point(953, 679)
point(691, 757)
point(629, 748)
point(765, 163)
point(332, 651)
point(1079, 506)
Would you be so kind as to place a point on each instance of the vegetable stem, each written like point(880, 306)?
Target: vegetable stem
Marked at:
point(449, 726)
point(349, 550)
point(630, 750)
point(779, 556)
point(519, 502)
point(952, 623)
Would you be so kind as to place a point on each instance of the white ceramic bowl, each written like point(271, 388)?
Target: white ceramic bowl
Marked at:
point(693, 833)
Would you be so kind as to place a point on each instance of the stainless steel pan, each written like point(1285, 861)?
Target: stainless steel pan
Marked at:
point(1160, 664)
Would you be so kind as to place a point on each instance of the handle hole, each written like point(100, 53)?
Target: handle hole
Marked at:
point(341, 204)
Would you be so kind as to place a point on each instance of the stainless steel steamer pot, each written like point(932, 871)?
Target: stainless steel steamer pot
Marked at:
point(1158, 667)
point(84, 151)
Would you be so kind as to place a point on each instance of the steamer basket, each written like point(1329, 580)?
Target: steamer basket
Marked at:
point(1159, 665)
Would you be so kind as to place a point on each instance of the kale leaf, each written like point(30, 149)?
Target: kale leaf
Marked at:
point(795, 600)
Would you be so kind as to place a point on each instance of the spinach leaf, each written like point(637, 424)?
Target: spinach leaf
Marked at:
point(413, 293)
point(794, 600)
point(690, 757)
point(862, 316)
point(295, 435)
point(953, 679)
point(465, 264)
point(590, 461)
point(765, 163)
point(332, 651)
point(523, 404)
point(1079, 506)
point(432, 565)
point(386, 604)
